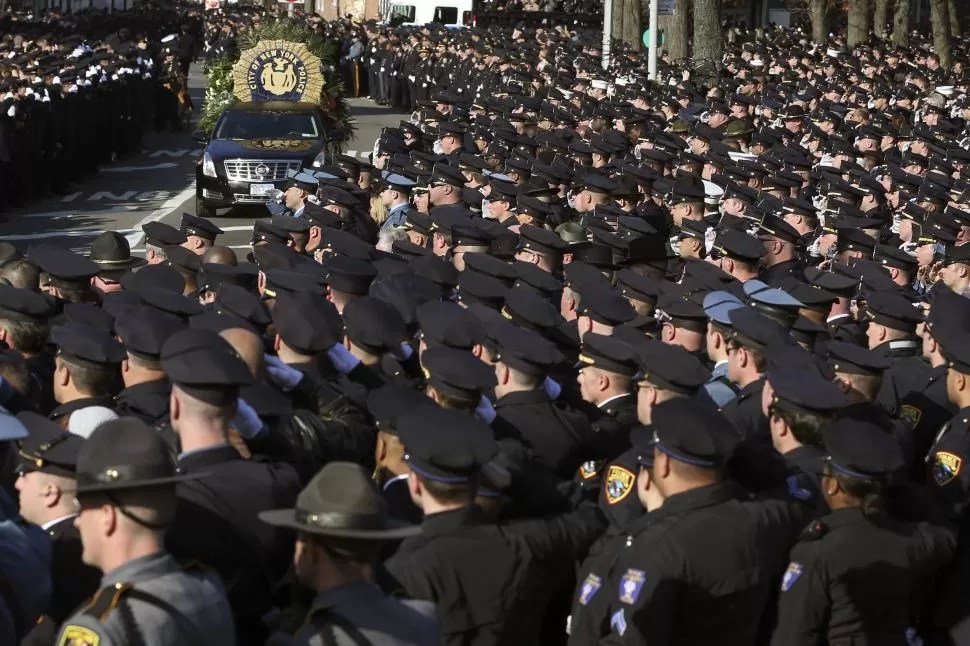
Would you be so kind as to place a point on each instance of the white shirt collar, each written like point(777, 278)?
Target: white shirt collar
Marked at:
point(51, 523)
point(607, 401)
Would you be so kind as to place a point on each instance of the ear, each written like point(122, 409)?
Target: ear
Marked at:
point(414, 485)
point(277, 344)
point(346, 342)
point(432, 394)
point(961, 381)
point(502, 373)
point(380, 449)
point(175, 406)
point(109, 519)
point(124, 366)
point(843, 385)
point(261, 281)
point(62, 375)
point(477, 350)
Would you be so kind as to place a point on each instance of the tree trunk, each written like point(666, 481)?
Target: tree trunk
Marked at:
point(858, 27)
point(708, 39)
point(820, 24)
point(954, 21)
point(900, 34)
point(674, 30)
point(940, 24)
point(879, 18)
point(632, 32)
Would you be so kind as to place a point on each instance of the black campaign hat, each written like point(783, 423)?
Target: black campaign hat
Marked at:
point(445, 445)
point(525, 350)
point(80, 341)
point(143, 330)
point(697, 435)
point(456, 372)
point(608, 353)
point(893, 310)
point(17, 304)
point(307, 322)
point(123, 454)
point(112, 253)
point(349, 275)
point(861, 448)
point(159, 234)
point(374, 325)
point(193, 225)
point(205, 365)
point(341, 501)
point(670, 367)
point(854, 359)
point(62, 264)
point(49, 448)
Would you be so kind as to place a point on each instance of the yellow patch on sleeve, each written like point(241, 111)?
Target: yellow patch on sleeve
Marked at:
point(619, 483)
point(78, 636)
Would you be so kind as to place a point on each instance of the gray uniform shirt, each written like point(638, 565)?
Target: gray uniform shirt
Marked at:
point(201, 616)
point(380, 620)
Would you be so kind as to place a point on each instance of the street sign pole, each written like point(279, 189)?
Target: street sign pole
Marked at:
point(652, 44)
point(607, 32)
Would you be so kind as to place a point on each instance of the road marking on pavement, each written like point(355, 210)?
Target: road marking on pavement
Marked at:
point(66, 214)
point(132, 169)
point(136, 236)
point(179, 152)
point(61, 234)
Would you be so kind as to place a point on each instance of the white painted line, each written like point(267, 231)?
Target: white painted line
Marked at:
point(64, 214)
point(59, 234)
point(136, 236)
point(352, 153)
point(131, 169)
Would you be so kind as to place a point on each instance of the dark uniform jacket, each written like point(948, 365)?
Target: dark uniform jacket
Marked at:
point(755, 463)
point(147, 401)
point(701, 571)
point(777, 275)
point(926, 409)
point(851, 581)
point(557, 435)
point(611, 437)
point(216, 523)
point(906, 374)
point(491, 582)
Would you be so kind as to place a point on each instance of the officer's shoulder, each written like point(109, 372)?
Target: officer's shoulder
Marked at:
point(83, 630)
point(814, 531)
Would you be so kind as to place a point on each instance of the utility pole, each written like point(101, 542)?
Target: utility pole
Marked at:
point(652, 41)
point(607, 32)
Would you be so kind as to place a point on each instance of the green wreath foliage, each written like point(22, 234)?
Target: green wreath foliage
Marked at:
point(219, 95)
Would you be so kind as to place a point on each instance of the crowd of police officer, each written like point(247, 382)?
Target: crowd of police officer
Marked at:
point(79, 90)
point(576, 358)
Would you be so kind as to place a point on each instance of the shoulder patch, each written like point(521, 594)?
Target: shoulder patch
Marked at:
point(619, 483)
point(791, 575)
point(797, 491)
point(814, 531)
point(618, 622)
point(631, 584)
point(78, 636)
point(911, 414)
point(589, 588)
point(946, 467)
point(590, 469)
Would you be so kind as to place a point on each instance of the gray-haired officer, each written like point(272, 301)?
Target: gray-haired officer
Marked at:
point(126, 498)
point(342, 523)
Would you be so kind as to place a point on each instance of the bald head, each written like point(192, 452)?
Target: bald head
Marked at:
point(220, 256)
point(249, 346)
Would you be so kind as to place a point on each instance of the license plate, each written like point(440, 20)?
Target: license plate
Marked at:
point(260, 190)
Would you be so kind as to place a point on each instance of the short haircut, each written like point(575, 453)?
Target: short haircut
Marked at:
point(806, 427)
point(21, 273)
point(27, 336)
point(450, 492)
point(93, 378)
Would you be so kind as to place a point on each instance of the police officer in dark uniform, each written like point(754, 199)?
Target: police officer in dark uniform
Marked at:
point(605, 380)
point(497, 581)
point(891, 330)
point(46, 479)
point(668, 585)
point(25, 327)
point(216, 521)
point(799, 405)
point(86, 375)
point(855, 575)
point(143, 330)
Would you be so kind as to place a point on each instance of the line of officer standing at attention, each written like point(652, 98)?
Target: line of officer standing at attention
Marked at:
point(79, 90)
point(627, 363)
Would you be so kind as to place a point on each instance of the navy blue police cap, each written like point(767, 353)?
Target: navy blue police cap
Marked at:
point(443, 445)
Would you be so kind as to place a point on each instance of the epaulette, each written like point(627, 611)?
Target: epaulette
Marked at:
point(105, 600)
point(814, 531)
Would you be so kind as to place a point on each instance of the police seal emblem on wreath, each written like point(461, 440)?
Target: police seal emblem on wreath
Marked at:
point(278, 70)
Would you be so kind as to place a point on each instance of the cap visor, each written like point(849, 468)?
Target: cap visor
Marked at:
point(287, 518)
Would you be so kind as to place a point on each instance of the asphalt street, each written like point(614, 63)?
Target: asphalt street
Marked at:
point(156, 184)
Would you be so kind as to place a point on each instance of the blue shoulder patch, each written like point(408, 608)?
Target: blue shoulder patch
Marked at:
point(791, 575)
point(618, 622)
point(589, 588)
point(631, 584)
point(796, 490)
